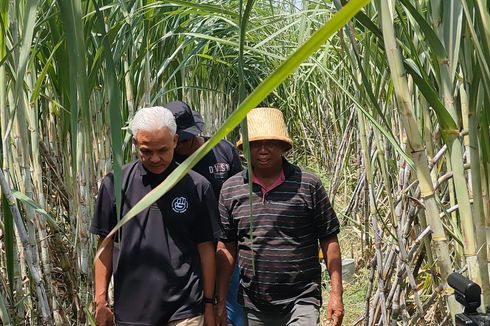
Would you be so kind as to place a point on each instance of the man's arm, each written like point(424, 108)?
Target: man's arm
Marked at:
point(208, 265)
point(225, 260)
point(103, 273)
point(331, 255)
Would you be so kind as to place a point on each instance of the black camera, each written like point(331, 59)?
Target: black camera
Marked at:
point(468, 294)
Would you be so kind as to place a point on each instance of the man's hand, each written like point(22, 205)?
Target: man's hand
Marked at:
point(221, 318)
point(103, 315)
point(333, 261)
point(225, 258)
point(335, 310)
point(209, 319)
point(103, 272)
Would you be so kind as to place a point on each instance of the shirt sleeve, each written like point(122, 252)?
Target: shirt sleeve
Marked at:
point(324, 216)
point(105, 217)
point(208, 229)
point(230, 229)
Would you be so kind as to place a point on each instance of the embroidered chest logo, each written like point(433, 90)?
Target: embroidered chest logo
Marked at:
point(179, 204)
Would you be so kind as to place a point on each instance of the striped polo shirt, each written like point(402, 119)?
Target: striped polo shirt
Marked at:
point(287, 223)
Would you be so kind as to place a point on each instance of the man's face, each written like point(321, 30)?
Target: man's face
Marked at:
point(186, 147)
point(156, 149)
point(267, 154)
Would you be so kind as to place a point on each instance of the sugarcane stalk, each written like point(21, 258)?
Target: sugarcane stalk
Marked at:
point(455, 151)
point(4, 118)
point(40, 223)
point(82, 209)
point(4, 311)
point(395, 306)
point(400, 84)
point(470, 123)
point(28, 251)
point(386, 179)
point(486, 211)
point(20, 269)
point(4, 112)
point(128, 88)
point(405, 265)
point(368, 309)
point(25, 172)
point(374, 216)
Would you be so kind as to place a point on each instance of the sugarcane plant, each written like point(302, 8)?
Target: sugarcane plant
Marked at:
point(389, 108)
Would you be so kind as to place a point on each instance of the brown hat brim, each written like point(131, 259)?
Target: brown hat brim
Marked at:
point(288, 142)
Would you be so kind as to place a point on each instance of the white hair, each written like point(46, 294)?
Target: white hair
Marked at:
point(152, 119)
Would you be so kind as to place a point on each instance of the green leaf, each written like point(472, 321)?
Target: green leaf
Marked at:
point(79, 109)
point(207, 8)
point(244, 16)
point(431, 36)
point(232, 44)
point(115, 105)
point(447, 123)
point(37, 208)
point(42, 75)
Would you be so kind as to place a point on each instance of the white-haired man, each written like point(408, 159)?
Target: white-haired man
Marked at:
point(163, 260)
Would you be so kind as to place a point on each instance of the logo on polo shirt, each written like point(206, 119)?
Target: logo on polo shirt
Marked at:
point(219, 168)
point(179, 204)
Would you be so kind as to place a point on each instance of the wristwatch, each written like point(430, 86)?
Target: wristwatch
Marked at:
point(213, 300)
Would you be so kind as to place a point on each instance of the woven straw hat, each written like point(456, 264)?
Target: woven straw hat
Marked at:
point(266, 124)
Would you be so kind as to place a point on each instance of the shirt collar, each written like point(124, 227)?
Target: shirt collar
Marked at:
point(279, 180)
point(147, 174)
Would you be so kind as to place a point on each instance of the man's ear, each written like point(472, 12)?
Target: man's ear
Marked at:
point(176, 139)
point(285, 147)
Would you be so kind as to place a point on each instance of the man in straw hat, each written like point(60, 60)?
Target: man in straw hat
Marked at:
point(163, 260)
point(277, 246)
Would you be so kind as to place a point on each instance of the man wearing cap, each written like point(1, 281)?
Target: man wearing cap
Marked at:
point(217, 166)
point(280, 274)
point(163, 259)
point(220, 163)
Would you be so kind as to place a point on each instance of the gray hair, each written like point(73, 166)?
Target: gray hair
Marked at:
point(152, 119)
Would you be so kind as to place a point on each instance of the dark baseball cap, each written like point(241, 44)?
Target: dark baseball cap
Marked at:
point(189, 122)
point(198, 120)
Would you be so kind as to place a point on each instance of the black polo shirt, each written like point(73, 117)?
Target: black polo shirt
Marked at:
point(156, 263)
point(218, 165)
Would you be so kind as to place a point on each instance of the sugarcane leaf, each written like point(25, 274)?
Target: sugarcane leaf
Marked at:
point(207, 8)
point(431, 36)
point(244, 16)
point(34, 205)
point(115, 104)
point(78, 89)
point(44, 72)
point(232, 44)
point(445, 119)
